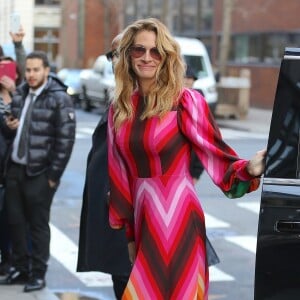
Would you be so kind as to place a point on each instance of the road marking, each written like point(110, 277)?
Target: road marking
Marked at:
point(252, 206)
point(84, 131)
point(65, 251)
point(212, 222)
point(237, 134)
point(246, 242)
point(81, 136)
point(215, 274)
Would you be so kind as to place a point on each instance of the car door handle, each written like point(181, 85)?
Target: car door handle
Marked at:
point(288, 226)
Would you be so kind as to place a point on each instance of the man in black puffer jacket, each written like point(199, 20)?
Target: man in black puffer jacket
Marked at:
point(43, 126)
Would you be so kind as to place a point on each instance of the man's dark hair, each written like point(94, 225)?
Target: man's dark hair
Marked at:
point(40, 55)
point(1, 51)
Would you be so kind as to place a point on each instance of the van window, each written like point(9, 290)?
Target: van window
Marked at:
point(197, 64)
point(99, 65)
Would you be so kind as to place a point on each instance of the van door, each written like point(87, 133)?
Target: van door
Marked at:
point(277, 271)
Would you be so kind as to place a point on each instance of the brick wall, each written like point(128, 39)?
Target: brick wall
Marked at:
point(87, 30)
point(263, 84)
point(258, 16)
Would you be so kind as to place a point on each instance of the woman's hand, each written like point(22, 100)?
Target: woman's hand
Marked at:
point(11, 122)
point(7, 83)
point(52, 183)
point(131, 252)
point(256, 165)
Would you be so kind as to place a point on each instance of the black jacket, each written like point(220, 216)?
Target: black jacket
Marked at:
point(101, 248)
point(196, 168)
point(52, 128)
point(3, 146)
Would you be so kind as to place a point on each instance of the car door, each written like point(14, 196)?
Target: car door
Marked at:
point(277, 271)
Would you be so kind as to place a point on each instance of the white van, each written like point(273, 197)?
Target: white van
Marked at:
point(196, 57)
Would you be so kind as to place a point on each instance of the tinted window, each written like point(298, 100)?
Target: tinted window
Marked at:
point(283, 146)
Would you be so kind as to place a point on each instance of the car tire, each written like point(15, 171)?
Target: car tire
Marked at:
point(84, 101)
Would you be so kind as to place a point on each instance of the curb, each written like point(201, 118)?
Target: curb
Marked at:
point(257, 120)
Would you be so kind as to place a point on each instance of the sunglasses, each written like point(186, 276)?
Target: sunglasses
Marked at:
point(139, 51)
point(111, 54)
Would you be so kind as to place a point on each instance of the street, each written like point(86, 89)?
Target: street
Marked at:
point(231, 226)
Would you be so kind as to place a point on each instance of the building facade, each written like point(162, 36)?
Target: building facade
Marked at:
point(87, 29)
point(260, 31)
point(75, 32)
point(40, 19)
point(27, 20)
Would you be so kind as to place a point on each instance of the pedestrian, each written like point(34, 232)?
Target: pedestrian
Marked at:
point(7, 87)
point(101, 248)
point(43, 126)
point(153, 124)
point(8, 83)
point(20, 53)
point(196, 170)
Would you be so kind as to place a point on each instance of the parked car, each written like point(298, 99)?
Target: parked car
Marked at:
point(97, 84)
point(277, 271)
point(196, 57)
point(70, 77)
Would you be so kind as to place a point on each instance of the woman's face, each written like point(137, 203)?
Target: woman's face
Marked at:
point(145, 57)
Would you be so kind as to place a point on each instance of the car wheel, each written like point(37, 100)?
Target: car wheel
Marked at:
point(84, 101)
point(106, 97)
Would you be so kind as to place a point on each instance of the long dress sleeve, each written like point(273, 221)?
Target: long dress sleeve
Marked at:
point(120, 200)
point(221, 162)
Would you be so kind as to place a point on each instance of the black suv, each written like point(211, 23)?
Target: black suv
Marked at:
point(277, 272)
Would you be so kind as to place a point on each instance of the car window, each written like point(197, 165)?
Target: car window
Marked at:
point(283, 146)
point(197, 65)
point(103, 66)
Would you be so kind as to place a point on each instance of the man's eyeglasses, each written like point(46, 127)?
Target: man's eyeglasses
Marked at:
point(111, 54)
point(139, 51)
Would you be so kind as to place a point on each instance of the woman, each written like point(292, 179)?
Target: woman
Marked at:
point(7, 86)
point(151, 131)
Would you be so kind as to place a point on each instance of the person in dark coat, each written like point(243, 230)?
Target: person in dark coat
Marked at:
point(42, 129)
point(101, 248)
point(4, 232)
point(196, 170)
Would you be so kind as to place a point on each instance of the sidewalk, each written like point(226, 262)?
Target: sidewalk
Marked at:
point(15, 292)
point(257, 120)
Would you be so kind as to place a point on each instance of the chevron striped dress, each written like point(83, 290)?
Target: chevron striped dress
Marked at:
point(153, 196)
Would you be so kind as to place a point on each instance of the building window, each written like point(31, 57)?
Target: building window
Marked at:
point(266, 48)
point(47, 40)
point(47, 2)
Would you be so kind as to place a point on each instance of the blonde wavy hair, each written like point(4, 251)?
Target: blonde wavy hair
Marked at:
point(169, 77)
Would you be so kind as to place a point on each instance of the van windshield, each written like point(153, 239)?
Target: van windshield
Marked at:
point(197, 64)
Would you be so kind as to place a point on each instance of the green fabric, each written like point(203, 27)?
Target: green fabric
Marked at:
point(238, 189)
